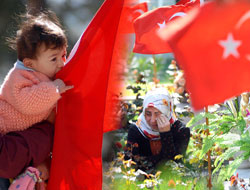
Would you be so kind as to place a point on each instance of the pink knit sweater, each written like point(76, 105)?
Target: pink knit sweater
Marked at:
point(26, 98)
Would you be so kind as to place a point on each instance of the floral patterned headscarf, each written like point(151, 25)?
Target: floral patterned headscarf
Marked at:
point(160, 99)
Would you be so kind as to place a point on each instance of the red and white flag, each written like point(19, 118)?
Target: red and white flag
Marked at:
point(129, 14)
point(147, 26)
point(213, 48)
point(77, 151)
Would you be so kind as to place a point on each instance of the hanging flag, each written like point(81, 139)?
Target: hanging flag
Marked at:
point(129, 14)
point(213, 48)
point(146, 27)
point(77, 151)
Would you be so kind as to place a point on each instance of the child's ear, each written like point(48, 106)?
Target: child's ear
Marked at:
point(28, 62)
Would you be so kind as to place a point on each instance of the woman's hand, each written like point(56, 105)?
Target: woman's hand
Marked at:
point(163, 123)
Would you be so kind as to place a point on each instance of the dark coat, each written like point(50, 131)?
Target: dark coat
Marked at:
point(173, 142)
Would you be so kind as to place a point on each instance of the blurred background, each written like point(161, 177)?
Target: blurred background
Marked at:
point(74, 15)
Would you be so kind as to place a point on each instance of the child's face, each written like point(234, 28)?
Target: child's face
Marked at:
point(49, 61)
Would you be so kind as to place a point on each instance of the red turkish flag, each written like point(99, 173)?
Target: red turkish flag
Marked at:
point(183, 2)
point(213, 48)
point(129, 14)
point(77, 151)
point(146, 27)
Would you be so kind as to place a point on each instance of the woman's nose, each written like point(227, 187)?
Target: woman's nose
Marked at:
point(153, 119)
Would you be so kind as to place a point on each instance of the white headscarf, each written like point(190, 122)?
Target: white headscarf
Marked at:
point(160, 99)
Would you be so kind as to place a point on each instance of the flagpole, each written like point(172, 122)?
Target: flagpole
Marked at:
point(155, 70)
point(209, 185)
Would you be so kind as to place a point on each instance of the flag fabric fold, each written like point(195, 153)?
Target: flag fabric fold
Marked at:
point(212, 47)
point(77, 162)
point(129, 14)
point(147, 26)
point(183, 2)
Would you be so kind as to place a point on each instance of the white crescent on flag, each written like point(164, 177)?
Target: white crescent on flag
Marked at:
point(139, 11)
point(243, 19)
point(181, 14)
point(163, 24)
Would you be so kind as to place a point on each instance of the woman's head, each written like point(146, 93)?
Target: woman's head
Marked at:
point(37, 34)
point(157, 102)
point(151, 113)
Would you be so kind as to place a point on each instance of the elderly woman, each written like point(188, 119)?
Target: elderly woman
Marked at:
point(157, 134)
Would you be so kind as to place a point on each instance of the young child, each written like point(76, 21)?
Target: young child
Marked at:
point(29, 92)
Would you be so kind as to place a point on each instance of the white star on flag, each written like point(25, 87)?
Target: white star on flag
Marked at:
point(162, 25)
point(230, 46)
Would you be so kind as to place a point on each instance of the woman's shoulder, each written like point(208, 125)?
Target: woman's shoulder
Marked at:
point(132, 128)
point(134, 132)
point(179, 126)
point(178, 123)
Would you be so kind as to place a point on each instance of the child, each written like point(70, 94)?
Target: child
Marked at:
point(29, 92)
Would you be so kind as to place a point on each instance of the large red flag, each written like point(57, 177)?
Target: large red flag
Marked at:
point(213, 48)
point(77, 162)
point(146, 27)
point(129, 14)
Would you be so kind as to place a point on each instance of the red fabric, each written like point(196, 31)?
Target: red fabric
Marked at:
point(77, 162)
point(147, 26)
point(212, 73)
point(183, 2)
point(129, 14)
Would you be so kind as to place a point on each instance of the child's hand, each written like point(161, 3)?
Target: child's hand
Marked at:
point(61, 86)
point(163, 123)
point(44, 170)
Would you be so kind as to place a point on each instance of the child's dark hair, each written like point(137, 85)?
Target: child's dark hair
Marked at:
point(36, 30)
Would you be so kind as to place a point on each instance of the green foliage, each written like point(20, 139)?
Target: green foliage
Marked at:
point(143, 65)
point(225, 137)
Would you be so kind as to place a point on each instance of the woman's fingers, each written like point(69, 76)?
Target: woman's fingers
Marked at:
point(163, 123)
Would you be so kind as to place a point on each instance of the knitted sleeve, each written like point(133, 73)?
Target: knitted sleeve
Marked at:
point(29, 95)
